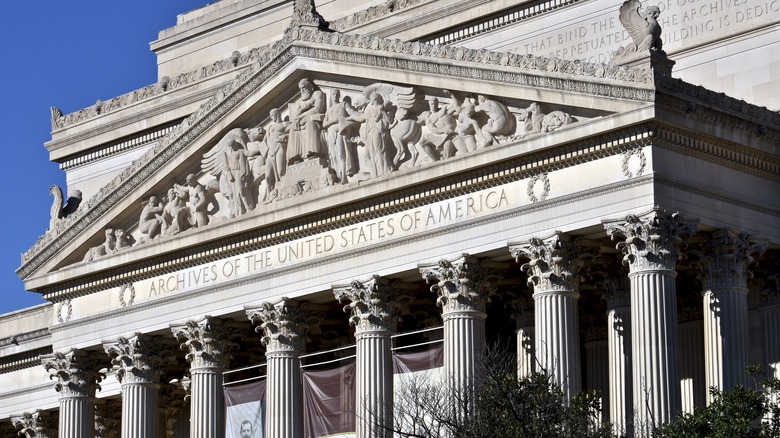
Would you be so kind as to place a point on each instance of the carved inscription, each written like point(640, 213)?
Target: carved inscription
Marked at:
point(684, 23)
point(343, 239)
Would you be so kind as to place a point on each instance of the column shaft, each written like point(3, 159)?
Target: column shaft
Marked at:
point(621, 408)
point(557, 338)
point(140, 410)
point(693, 390)
point(284, 402)
point(464, 344)
point(597, 377)
point(656, 383)
point(725, 337)
point(526, 359)
point(374, 384)
point(77, 417)
point(207, 408)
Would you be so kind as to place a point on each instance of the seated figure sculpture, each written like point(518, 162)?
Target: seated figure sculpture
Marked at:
point(150, 222)
point(307, 138)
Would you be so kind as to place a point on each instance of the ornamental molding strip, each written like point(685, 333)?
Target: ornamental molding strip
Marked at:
point(531, 71)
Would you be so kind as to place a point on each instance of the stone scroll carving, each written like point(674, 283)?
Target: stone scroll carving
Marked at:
point(322, 139)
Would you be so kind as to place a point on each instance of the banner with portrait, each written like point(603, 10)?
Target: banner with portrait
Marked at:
point(245, 410)
point(329, 402)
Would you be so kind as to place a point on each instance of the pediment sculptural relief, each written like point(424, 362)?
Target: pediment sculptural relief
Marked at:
point(327, 138)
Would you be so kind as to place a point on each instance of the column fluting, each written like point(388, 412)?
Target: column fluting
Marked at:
point(553, 265)
point(374, 305)
point(284, 325)
point(208, 343)
point(651, 250)
point(724, 273)
point(463, 286)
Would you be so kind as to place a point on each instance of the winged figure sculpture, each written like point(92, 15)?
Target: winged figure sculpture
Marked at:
point(643, 27)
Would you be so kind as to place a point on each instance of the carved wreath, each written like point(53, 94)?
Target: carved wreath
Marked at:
point(532, 184)
point(68, 313)
point(122, 291)
point(627, 158)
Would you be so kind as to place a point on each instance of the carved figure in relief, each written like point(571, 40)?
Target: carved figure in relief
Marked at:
point(643, 27)
point(377, 139)
point(276, 140)
point(107, 247)
point(150, 222)
point(500, 121)
point(340, 131)
point(555, 120)
point(197, 199)
point(176, 215)
point(466, 130)
point(123, 240)
point(240, 176)
point(58, 210)
point(228, 162)
point(307, 138)
point(535, 121)
point(256, 151)
point(440, 124)
point(532, 118)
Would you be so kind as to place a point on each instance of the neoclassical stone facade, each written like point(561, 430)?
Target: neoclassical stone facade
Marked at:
point(339, 177)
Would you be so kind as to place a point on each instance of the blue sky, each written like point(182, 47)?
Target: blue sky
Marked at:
point(68, 55)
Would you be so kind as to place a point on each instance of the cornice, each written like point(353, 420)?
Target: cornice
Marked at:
point(717, 196)
point(372, 207)
point(28, 389)
point(721, 152)
point(696, 101)
point(483, 65)
point(27, 359)
point(19, 338)
point(358, 253)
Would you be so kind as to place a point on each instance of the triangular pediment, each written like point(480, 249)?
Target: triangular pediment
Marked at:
point(410, 105)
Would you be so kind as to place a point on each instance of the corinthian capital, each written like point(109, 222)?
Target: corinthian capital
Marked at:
point(374, 304)
point(284, 324)
point(554, 262)
point(208, 342)
point(652, 240)
point(465, 283)
point(726, 258)
point(138, 358)
point(77, 372)
point(37, 424)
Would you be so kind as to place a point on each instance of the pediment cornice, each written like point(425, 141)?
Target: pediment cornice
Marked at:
point(539, 73)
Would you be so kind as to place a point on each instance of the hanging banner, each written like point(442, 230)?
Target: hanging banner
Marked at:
point(245, 411)
point(329, 402)
point(415, 361)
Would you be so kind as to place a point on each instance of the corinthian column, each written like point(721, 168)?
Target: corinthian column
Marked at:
point(621, 407)
point(651, 250)
point(552, 271)
point(464, 286)
point(724, 273)
point(284, 326)
point(208, 343)
point(138, 359)
point(374, 305)
point(77, 377)
point(38, 424)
